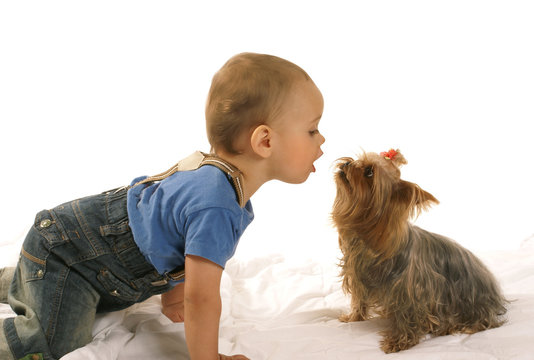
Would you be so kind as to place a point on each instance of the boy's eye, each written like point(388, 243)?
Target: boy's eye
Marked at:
point(314, 132)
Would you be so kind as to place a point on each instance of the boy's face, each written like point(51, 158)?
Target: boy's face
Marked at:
point(297, 140)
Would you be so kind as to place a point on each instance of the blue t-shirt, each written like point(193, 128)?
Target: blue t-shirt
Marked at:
point(188, 213)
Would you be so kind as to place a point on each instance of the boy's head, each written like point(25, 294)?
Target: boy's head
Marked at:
point(248, 91)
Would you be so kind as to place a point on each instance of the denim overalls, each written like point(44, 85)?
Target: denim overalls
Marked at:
point(77, 260)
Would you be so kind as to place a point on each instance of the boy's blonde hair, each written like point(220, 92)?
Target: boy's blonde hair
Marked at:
point(246, 92)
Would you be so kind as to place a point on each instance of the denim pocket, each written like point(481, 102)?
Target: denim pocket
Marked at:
point(44, 235)
point(32, 268)
point(35, 250)
point(117, 288)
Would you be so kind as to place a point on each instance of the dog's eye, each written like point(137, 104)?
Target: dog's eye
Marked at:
point(368, 172)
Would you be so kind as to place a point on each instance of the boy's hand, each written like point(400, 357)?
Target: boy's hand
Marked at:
point(172, 303)
point(233, 357)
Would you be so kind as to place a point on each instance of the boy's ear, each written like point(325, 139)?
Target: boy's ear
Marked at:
point(260, 140)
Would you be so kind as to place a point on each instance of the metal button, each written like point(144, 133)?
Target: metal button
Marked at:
point(45, 223)
point(40, 273)
point(159, 282)
point(115, 293)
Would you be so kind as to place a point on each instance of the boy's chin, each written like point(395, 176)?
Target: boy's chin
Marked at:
point(297, 180)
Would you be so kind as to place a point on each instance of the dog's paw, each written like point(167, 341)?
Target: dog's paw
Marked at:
point(351, 317)
point(390, 347)
point(390, 344)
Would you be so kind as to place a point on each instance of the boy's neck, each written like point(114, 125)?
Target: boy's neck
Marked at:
point(250, 168)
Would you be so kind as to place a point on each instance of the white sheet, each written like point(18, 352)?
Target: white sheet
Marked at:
point(280, 308)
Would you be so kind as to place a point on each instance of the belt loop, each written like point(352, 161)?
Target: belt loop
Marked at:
point(175, 275)
point(159, 282)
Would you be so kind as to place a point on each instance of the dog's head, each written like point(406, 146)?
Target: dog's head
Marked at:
point(373, 203)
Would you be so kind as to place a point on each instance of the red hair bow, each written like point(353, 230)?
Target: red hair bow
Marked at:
point(390, 155)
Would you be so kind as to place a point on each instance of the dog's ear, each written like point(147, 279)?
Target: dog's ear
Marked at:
point(414, 198)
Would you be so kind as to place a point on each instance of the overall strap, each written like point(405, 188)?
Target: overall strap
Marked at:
point(197, 160)
point(235, 174)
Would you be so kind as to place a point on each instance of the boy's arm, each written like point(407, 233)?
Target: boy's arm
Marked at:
point(202, 307)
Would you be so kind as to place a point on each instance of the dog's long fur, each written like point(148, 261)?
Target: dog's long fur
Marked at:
point(422, 282)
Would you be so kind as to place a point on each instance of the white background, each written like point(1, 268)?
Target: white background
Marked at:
point(95, 93)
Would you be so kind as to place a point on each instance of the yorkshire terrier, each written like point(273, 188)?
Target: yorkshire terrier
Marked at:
point(422, 283)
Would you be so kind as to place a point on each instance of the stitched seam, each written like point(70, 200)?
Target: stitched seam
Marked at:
point(29, 256)
point(13, 340)
point(240, 191)
point(220, 163)
point(84, 225)
point(56, 304)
